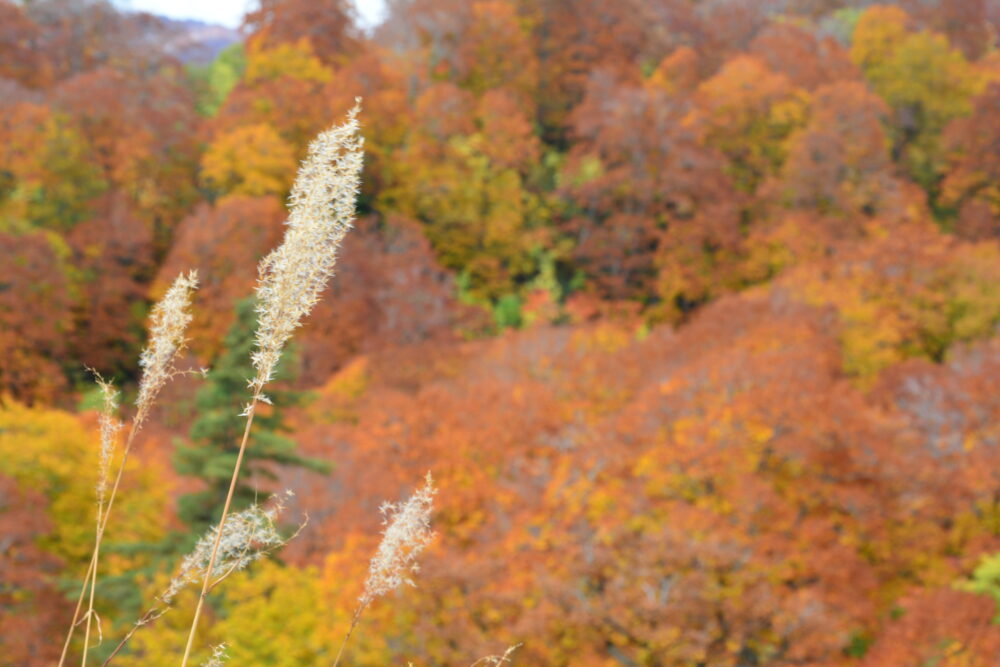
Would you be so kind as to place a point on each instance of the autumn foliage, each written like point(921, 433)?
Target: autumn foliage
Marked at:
point(691, 308)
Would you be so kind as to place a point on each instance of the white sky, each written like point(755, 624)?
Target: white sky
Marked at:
point(229, 12)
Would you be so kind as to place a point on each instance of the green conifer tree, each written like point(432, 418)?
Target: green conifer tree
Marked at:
point(214, 437)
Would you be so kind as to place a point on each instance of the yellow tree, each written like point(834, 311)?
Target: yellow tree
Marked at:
point(470, 186)
point(50, 179)
point(283, 86)
point(749, 111)
point(296, 60)
point(56, 454)
point(925, 81)
point(249, 160)
point(270, 616)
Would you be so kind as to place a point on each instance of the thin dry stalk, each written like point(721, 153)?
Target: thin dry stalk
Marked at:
point(218, 537)
point(90, 576)
point(293, 276)
point(168, 323)
point(110, 426)
point(354, 623)
point(147, 618)
point(246, 537)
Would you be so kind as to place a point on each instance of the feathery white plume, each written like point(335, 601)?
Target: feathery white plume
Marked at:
point(167, 325)
point(407, 534)
point(246, 537)
point(219, 656)
point(110, 427)
point(293, 275)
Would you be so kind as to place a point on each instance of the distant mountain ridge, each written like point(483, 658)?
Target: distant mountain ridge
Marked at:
point(194, 41)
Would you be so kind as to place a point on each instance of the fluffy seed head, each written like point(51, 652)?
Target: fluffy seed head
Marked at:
point(246, 536)
point(407, 534)
point(219, 656)
point(110, 426)
point(167, 325)
point(497, 660)
point(294, 275)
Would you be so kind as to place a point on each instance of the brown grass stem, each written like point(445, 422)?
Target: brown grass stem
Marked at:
point(147, 618)
point(91, 576)
point(168, 322)
point(218, 535)
point(93, 585)
point(350, 630)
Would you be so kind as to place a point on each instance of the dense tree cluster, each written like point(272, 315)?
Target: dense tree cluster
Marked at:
point(691, 308)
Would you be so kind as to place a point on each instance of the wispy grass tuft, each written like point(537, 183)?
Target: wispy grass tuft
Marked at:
point(110, 427)
point(246, 537)
point(292, 277)
point(167, 328)
point(497, 660)
point(219, 656)
point(407, 533)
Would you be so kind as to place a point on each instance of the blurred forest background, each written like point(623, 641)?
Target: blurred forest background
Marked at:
point(690, 306)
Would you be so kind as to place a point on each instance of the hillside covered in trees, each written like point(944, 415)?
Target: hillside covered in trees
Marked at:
point(691, 308)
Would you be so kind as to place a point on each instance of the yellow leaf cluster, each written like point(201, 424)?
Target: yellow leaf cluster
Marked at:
point(56, 453)
point(925, 80)
point(296, 60)
point(249, 160)
point(750, 112)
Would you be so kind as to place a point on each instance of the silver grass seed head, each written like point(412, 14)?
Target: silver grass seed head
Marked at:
point(407, 533)
point(246, 537)
point(219, 656)
point(167, 326)
point(321, 212)
point(497, 660)
point(109, 426)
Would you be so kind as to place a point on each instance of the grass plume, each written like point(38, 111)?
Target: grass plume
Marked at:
point(407, 533)
point(497, 660)
point(110, 427)
point(218, 657)
point(292, 277)
point(167, 329)
point(246, 537)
